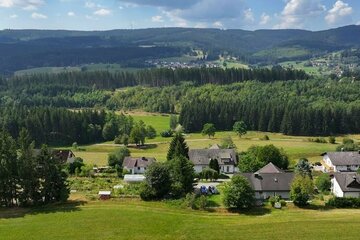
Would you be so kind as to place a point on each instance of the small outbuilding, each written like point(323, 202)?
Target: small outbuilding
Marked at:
point(104, 195)
point(134, 178)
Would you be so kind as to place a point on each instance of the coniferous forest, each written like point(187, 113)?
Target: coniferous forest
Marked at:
point(276, 100)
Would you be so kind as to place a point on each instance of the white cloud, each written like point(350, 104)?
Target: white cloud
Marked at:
point(13, 16)
point(24, 4)
point(264, 19)
point(358, 23)
point(218, 24)
point(296, 12)
point(71, 14)
point(102, 12)
point(158, 19)
point(38, 16)
point(248, 15)
point(338, 13)
point(231, 13)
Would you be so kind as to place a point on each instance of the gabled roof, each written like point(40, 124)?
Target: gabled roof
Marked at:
point(348, 182)
point(215, 146)
point(130, 162)
point(270, 178)
point(344, 158)
point(270, 168)
point(203, 156)
point(60, 154)
point(267, 182)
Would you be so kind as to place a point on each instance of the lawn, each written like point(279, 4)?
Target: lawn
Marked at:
point(133, 219)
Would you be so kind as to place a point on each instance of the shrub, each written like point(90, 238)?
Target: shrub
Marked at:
point(238, 193)
point(147, 193)
point(274, 199)
point(339, 202)
point(323, 182)
point(190, 200)
point(332, 140)
point(167, 133)
point(203, 202)
point(301, 191)
point(283, 203)
point(265, 138)
point(317, 140)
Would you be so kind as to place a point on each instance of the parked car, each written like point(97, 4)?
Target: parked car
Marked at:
point(203, 190)
point(213, 190)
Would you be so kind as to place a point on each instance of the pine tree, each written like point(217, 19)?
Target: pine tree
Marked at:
point(178, 147)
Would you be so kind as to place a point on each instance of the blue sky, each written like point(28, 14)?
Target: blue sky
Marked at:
point(118, 14)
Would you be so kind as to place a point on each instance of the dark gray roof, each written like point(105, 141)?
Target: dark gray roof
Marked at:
point(267, 182)
point(344, 158)
point(203, 156)
point(270, 168)
point(131, 162)
point(348, 182)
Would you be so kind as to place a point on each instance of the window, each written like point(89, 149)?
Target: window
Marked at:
point(139, 168)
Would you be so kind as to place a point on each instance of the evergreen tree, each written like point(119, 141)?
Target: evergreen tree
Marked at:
point(214, 164)
point(178, 147)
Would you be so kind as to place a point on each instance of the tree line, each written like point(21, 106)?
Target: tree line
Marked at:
point(59, 126)
point(28, 177)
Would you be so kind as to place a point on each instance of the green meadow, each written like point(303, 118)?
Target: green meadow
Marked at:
point(133, 219)
point(295, 146)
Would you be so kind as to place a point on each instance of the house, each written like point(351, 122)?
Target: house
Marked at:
point(137, 165)
point(225, 157)
point(104, 195)
point(62, 155)
point(345, 184)
point(341, 161)
point(270, 181)
point(65, 156)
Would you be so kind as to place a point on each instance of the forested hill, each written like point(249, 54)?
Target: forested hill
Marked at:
point(23, 49)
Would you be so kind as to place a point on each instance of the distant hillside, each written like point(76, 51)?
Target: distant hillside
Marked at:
point(23, 49)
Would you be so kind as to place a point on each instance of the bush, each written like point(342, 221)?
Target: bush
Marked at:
point(332, 140)
point(167, 133)
point(317, 140)
point(238, 193)
point(274, 199)
point(323, 182)
point(301, 191)
point(190, 200)
point(147, 193)
point(265, 138)
point(339, 202)
point(203, 202)
point(283, 203)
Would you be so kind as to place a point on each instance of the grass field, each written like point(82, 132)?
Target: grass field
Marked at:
point(133, 219)
point(295, 146)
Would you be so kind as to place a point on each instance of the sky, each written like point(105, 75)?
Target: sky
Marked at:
point(133, 14)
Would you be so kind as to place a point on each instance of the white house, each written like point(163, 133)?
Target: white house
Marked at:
point(225, 157)
point(137, 165)
point(341, 161)
point(345, 184)
point(270, 181)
